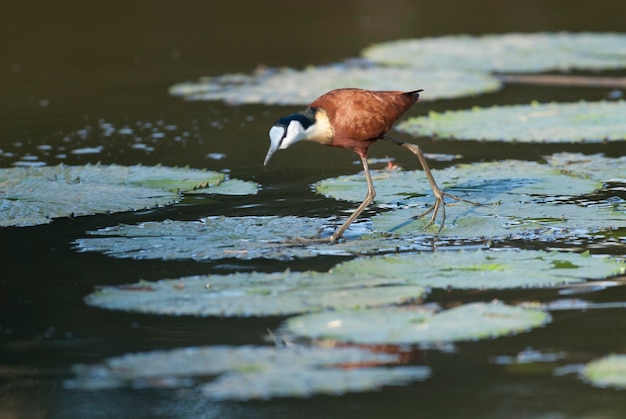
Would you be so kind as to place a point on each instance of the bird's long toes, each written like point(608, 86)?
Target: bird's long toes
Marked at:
point(443, 215)
point(438, 205)
point(458, 198)
point(422, 214)
point(429, 223)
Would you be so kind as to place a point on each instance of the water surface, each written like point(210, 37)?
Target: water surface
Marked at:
point(72, 71)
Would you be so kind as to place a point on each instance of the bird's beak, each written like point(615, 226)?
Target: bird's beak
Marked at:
point(271, 151)
point(276, 138)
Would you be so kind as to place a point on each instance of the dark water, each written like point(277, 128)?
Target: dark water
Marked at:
point(70, 68)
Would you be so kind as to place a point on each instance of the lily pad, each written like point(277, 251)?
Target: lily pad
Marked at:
point(251, 237)
point(484, 269)
point(293, 87)
point(512, 52)
point(575, 304)
point(530, 197)
point(36, 195)
point(408, 325)
point(594, 166)
point(474, 181)
point(254, 294)
point(251, 372)
point(609, 371)
point(285, 382)
point(537, 122)
point(229, 187)
point(517, 219)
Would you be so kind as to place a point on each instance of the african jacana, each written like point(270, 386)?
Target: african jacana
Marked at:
point(355, 119)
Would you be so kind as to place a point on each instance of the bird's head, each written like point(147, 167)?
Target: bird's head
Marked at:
point(311, 124)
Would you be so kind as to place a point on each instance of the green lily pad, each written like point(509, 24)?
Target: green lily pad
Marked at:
point(594, 166)
point(577, 304)
point(531, 197)
point(609, 371)
point(537, 122)
point(254, 294)
point(229, 187)
point(35, 195)
point(477, 181)
point(289, 383)
point(484, 269)
point(518, 219)
point(215, 238)
point(531, 200)
point(512, 52)
point(250, 372)
point(408, 325)
point(293, 87)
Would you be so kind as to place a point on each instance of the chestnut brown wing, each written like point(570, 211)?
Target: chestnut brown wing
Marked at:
point(363, 115)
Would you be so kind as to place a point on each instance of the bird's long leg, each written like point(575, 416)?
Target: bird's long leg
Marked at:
point(439, 194)
point(371, 194)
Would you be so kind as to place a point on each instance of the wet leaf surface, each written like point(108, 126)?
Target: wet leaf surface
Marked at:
point(301, 87)
point(512, 52)
point(537, 122)
point(36, 195)
point(250, 372)
point(485, 269)
point(519, 219)
point(609, 371)
point(477, 181)
point(594, 166)
point(229, 187)
point(522, 199)
point(255, 294)
point(408, 325)
point(525, 200)
point(576, 304)
point(234, 237)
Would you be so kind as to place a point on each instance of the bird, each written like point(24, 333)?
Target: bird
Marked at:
point(355, 119)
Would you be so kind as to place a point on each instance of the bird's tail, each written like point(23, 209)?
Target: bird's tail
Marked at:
point(415, 93)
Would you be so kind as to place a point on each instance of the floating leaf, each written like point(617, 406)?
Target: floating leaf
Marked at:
point(407, 325)
point(529, 356)
point(292, 87)
point(484, 269)
point(594, 166)
point(286, 382)
point(575, 304)
point(254, 294)
point(229, 187)
point(524, 219)
point(531, 197)
point(609, 371)
point(531, 200)
point(250, 372)
point(475, 181)
point(513, 52)
point(232, 237)
point(537, 122)
point(35, 195)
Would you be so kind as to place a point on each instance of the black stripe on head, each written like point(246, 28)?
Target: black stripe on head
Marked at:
point(306, 118)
